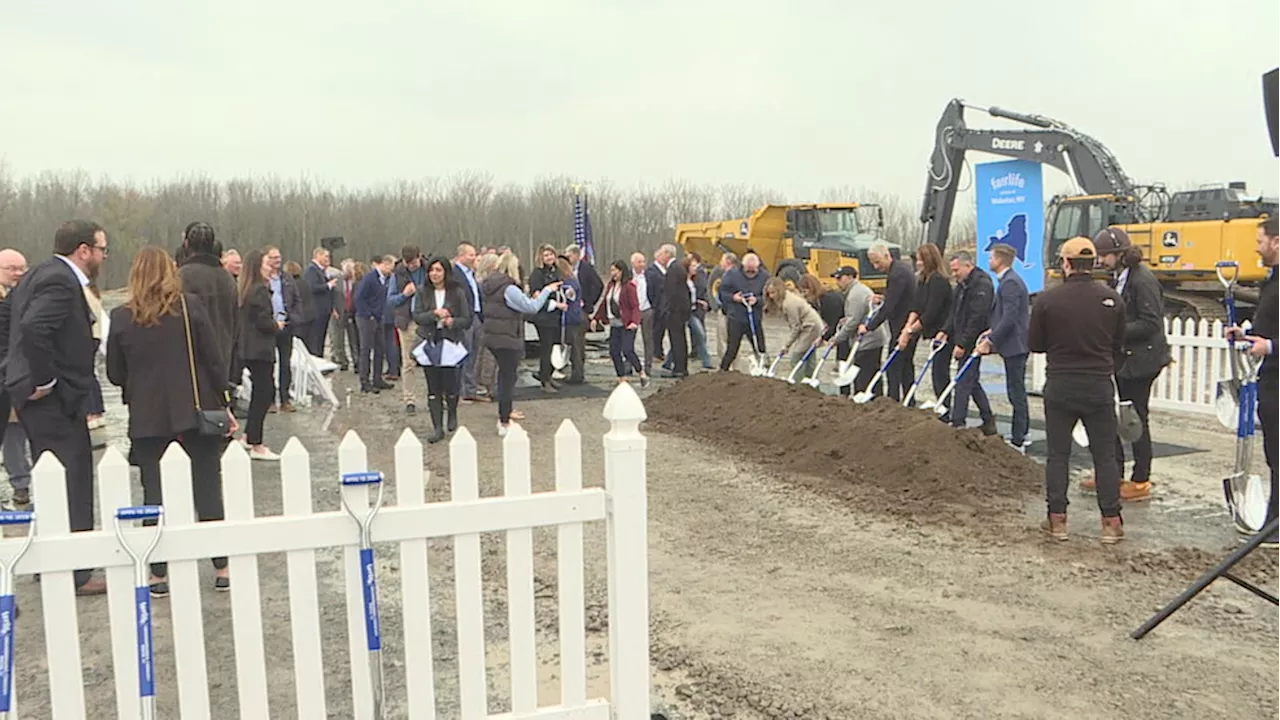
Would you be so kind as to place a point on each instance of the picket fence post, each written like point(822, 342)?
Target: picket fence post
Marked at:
point(415, 583)
point(464, 486)
point(186, 616)
point(57, 595)
point(569, 565)
point(353, 458)
point(246, 596)
point(113, 493)
point(628, 561)
point(304, 608)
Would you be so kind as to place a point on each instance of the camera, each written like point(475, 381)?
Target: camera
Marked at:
point(333, 242)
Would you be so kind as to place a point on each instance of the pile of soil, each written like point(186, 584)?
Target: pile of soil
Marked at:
point(897, 460)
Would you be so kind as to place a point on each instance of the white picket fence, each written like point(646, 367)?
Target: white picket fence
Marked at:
point(1199, 351)
point(300, 531)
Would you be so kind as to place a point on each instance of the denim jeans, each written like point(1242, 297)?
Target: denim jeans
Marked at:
point(17, 458)
point(698, 331)
point(1015, 380)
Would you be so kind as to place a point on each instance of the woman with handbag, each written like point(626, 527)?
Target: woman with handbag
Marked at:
point(162, 352)
point(441, 313)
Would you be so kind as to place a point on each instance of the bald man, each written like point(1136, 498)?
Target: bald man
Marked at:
point(16, 449)
point(646, 309)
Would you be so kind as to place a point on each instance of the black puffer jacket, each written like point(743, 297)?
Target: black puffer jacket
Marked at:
point(970, 309)
point(1146, 348)
point(538, 279)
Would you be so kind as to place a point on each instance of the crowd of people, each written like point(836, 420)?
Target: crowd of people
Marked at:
point(198, 321)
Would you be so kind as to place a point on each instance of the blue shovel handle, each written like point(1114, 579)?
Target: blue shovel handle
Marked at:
point(139, 512)
point(371, 477)
point(369, 584)
point(146, 660)
point(7, 606)
point(16, 517)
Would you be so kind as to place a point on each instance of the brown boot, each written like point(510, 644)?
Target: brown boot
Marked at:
point(1135, 491)
point(1112, 530)
point(1055, 526)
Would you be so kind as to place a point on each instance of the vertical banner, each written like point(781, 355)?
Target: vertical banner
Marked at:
point(1011, 211)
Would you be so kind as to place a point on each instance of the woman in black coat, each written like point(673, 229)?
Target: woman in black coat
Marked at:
point(258, 330)
point(442, 314)
point(163, 353)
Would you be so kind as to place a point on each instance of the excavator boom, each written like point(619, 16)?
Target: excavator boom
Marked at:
point(1053, 143)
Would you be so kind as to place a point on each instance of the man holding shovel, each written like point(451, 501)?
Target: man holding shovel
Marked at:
point(899, 300)
point(1079, 325)
point(1262, 340)
point(1146, 348)
point(1008, 337)
point(857, 305)
point(742, 287)
point(970, 319)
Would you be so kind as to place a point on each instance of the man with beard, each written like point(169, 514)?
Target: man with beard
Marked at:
point(49, 369)
point(1262, 343)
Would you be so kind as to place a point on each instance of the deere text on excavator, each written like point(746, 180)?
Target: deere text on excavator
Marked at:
point(1182, 235)
point(792, 240)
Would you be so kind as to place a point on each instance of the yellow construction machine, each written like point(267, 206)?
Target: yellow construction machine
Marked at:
point(792, 240)
point(1183, 235)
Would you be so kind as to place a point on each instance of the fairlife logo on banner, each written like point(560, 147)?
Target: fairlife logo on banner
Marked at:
point(1010, 197)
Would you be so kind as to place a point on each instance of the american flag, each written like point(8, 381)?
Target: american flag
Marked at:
point(582, 226)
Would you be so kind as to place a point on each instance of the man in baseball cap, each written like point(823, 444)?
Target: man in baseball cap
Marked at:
point(1079, 325)
point(1146, 348)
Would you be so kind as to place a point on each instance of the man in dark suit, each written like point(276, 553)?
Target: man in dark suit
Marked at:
point(49, 368)
point(970, 319)
point(318, 283)
point(677, 304)
point(464, 269)
point(899, 301)
point(1010, 316)
point(592, 289)
point(370, 310)
point(654, 279)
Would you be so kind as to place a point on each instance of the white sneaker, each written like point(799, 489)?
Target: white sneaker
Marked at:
point(265, 455)
point(502, 429)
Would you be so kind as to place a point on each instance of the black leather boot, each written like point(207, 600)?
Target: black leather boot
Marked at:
point(453, 413)
point(435, 404)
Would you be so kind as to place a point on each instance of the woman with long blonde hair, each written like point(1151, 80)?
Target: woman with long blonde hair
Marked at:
point(505, 307)
point(804, 321)
point(163, 352)
point(486, 367)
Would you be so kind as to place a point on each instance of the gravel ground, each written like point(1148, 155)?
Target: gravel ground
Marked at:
point(776, 595)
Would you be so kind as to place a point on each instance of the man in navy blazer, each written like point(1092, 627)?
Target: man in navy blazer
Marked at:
point(1010, 319)
point(320, 286)
point(371, 311)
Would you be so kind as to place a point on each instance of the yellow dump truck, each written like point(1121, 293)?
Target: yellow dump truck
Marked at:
point(792, 240)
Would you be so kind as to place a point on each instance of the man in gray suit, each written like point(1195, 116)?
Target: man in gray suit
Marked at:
point(342, 324)
point(1010, 318)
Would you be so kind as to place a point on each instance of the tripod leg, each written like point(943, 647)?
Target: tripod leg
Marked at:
point(1204, 580)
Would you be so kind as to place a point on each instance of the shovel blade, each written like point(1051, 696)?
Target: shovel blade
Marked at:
point(848, 373)
point(1129, 427)
point(811, 382)
point(558, 357)
point(1080, 435)
point(1226, 403)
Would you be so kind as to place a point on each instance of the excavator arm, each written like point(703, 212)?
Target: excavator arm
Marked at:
point(1053, 143)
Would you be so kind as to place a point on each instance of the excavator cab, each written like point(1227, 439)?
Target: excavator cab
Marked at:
point(1082, 216)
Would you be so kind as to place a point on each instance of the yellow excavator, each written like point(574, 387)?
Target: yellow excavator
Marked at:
point(1183, 235)
point(793, 240)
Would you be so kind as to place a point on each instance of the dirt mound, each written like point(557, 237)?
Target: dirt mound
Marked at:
point(915, 466)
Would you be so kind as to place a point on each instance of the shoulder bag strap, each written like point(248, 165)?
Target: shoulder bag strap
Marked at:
point(191, 355)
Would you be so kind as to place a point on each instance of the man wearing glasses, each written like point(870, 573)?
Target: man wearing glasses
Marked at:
point(48, 372)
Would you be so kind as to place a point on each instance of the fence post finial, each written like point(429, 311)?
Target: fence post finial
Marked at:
point(624, 409)
point(628, 554)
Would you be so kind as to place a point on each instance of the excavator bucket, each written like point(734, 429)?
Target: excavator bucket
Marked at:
point(1271, 98)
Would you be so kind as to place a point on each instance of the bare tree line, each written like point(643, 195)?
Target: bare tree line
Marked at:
point(434, 213)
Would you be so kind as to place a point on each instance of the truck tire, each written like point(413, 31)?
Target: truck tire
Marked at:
point(790, 272)
point(713, 287)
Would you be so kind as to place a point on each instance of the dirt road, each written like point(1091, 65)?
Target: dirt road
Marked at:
point(777, 595)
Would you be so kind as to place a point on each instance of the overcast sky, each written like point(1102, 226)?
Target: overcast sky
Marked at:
point(797, 96)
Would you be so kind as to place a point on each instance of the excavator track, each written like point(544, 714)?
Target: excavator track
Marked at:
point(1193, 305)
